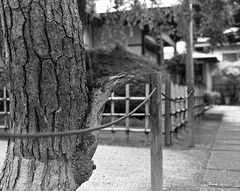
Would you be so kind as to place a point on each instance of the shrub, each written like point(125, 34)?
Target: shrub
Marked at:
point(102, 62)
point(211, 98)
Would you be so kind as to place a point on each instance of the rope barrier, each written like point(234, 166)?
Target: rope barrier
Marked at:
point(6, 135)
point(181, 99)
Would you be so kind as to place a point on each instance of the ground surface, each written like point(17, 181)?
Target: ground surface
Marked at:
point(223, 168)
point(125, 165)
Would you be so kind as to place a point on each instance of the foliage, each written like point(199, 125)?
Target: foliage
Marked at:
point(215, 19)
point(177, 66)
point(230, 73)
point(113, 30)
point(143, 13)
point(212, 98)
point(211, 18)
point(229, 70)
point(135, 13)
point(104, 62)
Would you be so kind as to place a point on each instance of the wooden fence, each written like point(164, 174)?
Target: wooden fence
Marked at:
point(167, 100)
point(174, 114)
point(4, 108)
point(174, 111)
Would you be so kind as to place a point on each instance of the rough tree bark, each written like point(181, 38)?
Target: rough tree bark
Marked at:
point(44, 58)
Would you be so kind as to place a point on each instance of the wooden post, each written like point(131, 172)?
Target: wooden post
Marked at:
point(156, 133)
point(186, 105)
point(5, 107)
point(173, 105)
point(112, 114)
point(190, 75)
point(168, 138)
point(196, 104)
point(127, 109)
point(147, 89)
point(202, 101)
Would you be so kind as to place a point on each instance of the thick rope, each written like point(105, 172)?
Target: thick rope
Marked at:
point(6, 135)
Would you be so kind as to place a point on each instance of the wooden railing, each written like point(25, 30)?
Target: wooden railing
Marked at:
point(174, 114)
point(113, 99)
point(4, 108)
point(174, 111)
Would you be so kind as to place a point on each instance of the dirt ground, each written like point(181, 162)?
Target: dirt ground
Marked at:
point(205, 133)
point(125, 165)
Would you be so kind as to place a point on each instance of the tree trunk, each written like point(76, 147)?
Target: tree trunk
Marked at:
point(44, 58)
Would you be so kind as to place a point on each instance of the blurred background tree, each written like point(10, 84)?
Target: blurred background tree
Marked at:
point(211, 18)
point(230, 72)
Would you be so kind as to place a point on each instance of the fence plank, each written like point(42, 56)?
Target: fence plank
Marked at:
point(127, 109)
point(156, 133)
point(112, 114)
point(147, 91)
point(147, 107)
point(5, 107)
point(168, 138)
point(172, 106)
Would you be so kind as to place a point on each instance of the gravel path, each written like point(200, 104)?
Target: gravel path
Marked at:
point(128, 168)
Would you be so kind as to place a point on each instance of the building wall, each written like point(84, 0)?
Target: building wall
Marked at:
point(93, 38)
point(228, 49)
point(134, 39)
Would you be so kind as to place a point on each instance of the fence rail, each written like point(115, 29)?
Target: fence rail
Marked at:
point(4, 112)
point(174, 113)
point(174, 108)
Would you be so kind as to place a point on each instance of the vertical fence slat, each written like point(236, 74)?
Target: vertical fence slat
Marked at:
point(177, 88)
point(112, 114)
point(172, 107)
point(127, 108)
point(186, 102)
point(156, 133)
point(147, 89)
point(191, 116)
point(197, 104)
point(181, 104)
point(163, 104)
point(5, 106)
point(176, 104)
point(168, 138)
point(202, 100)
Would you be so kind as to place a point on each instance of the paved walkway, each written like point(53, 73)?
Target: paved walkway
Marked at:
point(223, 169)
